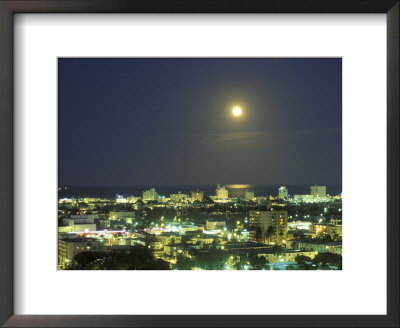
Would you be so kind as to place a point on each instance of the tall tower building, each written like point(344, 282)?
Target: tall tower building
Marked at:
point(318, 191)
point(150, 194)
point(283, 192)
point(221, 192)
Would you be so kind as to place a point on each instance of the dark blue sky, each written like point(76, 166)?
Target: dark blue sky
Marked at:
point(168, 121)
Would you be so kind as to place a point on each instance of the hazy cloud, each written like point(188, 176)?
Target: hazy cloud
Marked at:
point(232, 141)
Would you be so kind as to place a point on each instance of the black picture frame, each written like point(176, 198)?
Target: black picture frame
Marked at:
point(10, 7)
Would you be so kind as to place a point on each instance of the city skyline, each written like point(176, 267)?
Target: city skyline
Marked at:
point(168, 121)
point(233, 229)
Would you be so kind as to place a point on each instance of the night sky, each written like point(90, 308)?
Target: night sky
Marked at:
point(168, 121)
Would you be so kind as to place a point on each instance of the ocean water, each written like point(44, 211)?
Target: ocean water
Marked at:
point(259, 190)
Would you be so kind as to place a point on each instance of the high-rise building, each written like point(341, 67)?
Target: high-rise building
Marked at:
point(221, 192)
point(68, 248)
point(197, 195)
point(249, 195)
point(283, 192)
point(272, 224)
point(318, 191)
point(150, 194)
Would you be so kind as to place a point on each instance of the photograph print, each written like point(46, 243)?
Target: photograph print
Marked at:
point(199, 164)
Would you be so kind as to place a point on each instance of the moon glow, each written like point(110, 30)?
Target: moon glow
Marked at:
point(237, 111)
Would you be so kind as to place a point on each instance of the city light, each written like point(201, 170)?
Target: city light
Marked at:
point(214, 240)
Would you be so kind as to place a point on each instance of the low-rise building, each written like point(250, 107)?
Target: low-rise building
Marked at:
point(312, 199)
point(120, 199)
point(286, 255)
point(300, 225)
point(334, 247)
point(84, 218)
point(77, 223)
point(215, 225)
point(127, 216)
point(329, 229)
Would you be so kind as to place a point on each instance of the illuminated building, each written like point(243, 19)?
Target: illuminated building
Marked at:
point(179, 197)
point(68, 248)
point(265, 201)
point(78, 223)
point(197, 195)
point(311, 199)
point(65, 200)
point(244, 235)
point(287, 255)
point(132, 199)
point(221, 192)
point(283, 192)
point(104, 223)
point(150, 194)
point(168, 239)
point(120, 199)
point(263, 220)
point(91, 200)
point(249, 195)
point(318, 191)
point(215, 225)
point(300, 225)
point(334, 247)
point(122, 215)
point(329, 229)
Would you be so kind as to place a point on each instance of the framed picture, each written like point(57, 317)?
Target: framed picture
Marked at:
point(199, 164)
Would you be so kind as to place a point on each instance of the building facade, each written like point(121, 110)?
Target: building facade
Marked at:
point(221, 192)
point(197, 195)
point(249, 195)
point(273, 225)
point(150, 194)
point(68, 248)
point(215, 225)
point(179, 197)
point(283, 192)
point(318, 191)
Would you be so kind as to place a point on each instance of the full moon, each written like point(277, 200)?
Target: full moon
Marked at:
point(236, 111)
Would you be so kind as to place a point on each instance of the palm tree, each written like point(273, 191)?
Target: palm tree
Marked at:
point(258, 234)
point(276, 250)
point(269, 233)
point(280, 236)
